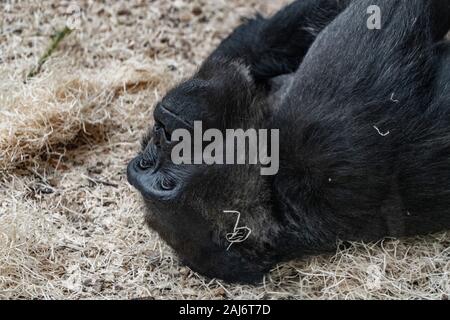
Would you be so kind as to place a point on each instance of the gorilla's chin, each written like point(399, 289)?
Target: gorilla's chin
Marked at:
point(190, 235)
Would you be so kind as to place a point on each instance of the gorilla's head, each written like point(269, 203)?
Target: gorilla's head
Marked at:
point(186, 203)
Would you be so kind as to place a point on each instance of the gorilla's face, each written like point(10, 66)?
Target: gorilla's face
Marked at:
point(186, 203)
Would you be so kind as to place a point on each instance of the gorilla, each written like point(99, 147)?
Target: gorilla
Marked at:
point(364, 125)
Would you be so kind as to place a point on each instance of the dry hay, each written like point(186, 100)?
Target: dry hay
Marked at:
point(54, 109)
point(71, 227)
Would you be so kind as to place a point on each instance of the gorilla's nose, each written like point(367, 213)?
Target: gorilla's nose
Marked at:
point(140, 176)
point(150, 182)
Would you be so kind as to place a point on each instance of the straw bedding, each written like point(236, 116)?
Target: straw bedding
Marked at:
point(71, 227)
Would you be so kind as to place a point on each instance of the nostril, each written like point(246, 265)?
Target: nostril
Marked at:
point(168, 184)
point(145, 164)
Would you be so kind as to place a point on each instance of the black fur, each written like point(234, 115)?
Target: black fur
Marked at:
point(365, 136)
point(276, 46)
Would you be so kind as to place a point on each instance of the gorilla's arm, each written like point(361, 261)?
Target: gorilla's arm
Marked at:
point(277, 45)
point(441, 12)
point(424, 172)
point(443, 69)
point(348, 129)
point(255, 53)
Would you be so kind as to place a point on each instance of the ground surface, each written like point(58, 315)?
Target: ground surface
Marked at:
point(71, 227)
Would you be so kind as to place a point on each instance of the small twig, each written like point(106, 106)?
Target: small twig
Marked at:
point(394, 100)
point(60, 35)
point(143, 299)
point(380, 133)
point(103, 182)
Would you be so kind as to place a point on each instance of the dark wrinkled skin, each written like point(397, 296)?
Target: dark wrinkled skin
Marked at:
point(339, 178)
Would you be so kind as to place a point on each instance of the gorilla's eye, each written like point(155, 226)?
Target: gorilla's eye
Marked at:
point(158, 125)
point(161, 133)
